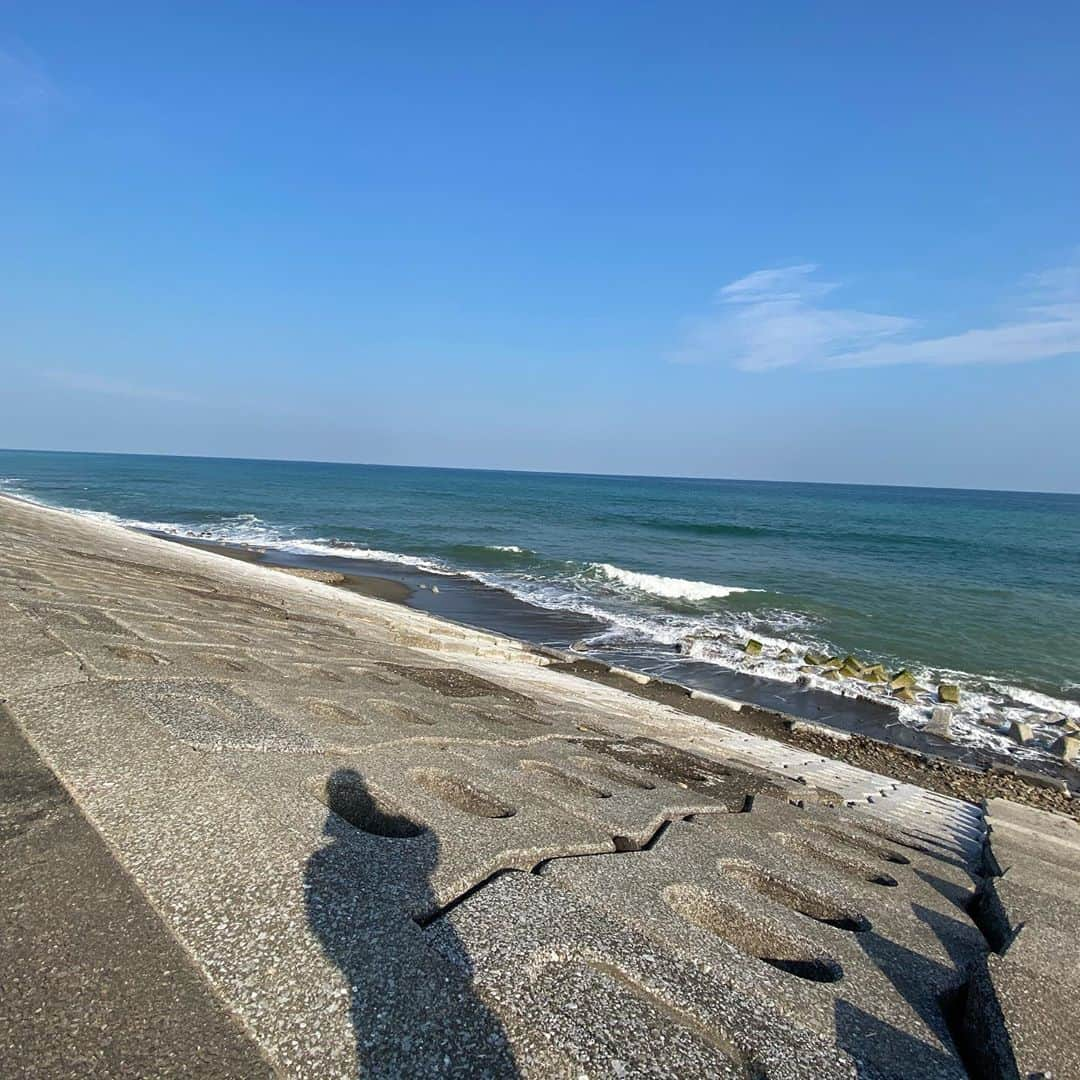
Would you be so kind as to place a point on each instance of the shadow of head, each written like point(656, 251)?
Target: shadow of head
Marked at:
point(350, 799)
point(377, 866)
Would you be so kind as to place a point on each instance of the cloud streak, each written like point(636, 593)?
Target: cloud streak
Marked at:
point(89, 383)
point(782, 318)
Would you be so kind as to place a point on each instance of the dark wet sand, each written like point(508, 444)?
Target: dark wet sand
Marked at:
point(380, 588)
point(252, 555)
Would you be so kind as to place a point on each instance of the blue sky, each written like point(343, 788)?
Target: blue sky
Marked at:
point(803, 241)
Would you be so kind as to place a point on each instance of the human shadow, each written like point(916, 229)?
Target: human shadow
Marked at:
point(413, 1009)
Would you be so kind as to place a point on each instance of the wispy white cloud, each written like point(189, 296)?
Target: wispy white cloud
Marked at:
point(781, 318)
point(25, 88)
point(88, 383)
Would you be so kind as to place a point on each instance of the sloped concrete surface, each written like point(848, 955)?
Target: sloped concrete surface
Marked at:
point(92, 983)
point(1023, 1000)
point(391, 846)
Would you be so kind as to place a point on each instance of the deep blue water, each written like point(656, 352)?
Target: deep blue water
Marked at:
point(975, 582)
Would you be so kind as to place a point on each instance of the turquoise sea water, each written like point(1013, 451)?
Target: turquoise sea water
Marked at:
point(985, 585)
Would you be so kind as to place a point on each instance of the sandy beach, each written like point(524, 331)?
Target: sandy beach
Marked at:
point(390, 844)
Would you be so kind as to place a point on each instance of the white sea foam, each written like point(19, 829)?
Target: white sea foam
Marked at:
point(250, 534)
point(512, 548)
point(247, 530)
point(1041, 702)
point(333, 549)
point(638, 626)
point(667, 587)
point(987, 708)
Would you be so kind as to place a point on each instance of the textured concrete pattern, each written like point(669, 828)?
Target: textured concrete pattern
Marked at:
point(392, 846)
point(1023, 1003)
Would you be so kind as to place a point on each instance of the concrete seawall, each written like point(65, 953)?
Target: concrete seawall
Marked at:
point(381, 844)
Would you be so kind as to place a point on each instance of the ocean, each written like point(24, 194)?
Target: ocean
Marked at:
point(671, 576)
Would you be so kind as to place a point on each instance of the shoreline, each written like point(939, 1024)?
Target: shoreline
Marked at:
point(865, 735)
point(374, 586)
point(1002, 718)
point(853, 735)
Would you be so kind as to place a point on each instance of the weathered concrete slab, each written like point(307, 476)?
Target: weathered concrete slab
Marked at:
point(1020, 1023)
point(31, 658)
point(93, 983)
point(582, 993)
point(1023, 833)
point(734, 889)
point(1021, 1001)
point(395, 847)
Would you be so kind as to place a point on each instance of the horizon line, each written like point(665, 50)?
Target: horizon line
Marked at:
point(536, 471)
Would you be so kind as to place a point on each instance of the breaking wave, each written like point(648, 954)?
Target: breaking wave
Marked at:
point(667, 587)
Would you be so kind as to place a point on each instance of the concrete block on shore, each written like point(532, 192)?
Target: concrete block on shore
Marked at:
point(902, 680)
point(634, 676)
point(940, 722)
point(1020, 732)
point(851, 667)
point(949, 693)
point(1067, 747)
